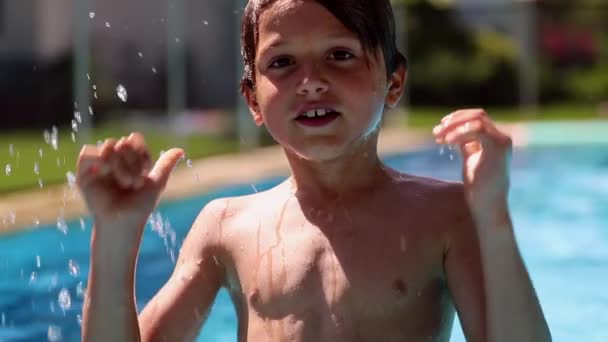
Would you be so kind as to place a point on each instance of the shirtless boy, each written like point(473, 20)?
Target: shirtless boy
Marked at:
point(346, 249)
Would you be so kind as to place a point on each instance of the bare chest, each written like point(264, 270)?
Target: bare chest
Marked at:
point(372, 274)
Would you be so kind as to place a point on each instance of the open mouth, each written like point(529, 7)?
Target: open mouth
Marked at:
point(317, 117)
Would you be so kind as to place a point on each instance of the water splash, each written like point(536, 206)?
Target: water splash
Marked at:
point(62, 225)
point(64, 299)
point(71, 178)
point(121, 92)
point(80, 290)
point(54, 333)
point(74, 268)
point(163, 228)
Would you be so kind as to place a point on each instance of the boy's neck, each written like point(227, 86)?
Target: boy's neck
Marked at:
point(358, 170)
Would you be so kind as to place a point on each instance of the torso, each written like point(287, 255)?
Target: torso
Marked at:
point(367, 270)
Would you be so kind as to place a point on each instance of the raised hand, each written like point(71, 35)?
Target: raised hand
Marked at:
point(486, 154)
point(119, 183)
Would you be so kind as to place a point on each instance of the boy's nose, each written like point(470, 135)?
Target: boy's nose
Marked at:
point(311, 86)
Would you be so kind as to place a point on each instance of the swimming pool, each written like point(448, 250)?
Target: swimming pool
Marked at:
point(559, 203)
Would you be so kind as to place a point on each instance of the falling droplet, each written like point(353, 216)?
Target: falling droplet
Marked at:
point(141, 55)
point(55, 138)
point(441, 150)
point(177, 40)
point(108, 24)
point(8, 169)
point(78, 117)
point(94, 86)
point(254, 188)
point(91, 15)
point(88, 77)
point(40, 152)
point(80, 290)
point(82, 223)
point(205, 22)
point(189, 162)
point(91, 108)
point(3, 319)
point(38, 261)
point(71, 178)
point(154, 70)
point(47, 136)
point(61, 225)
point(79, 319)
point(33, 277)
point(54, 333)
point(95, 96)
point(74, 125)
point(73, 137)
point(64, 300)
point(11, 150)
point(36, 221)
point(74, 268)
point(40, 183)
point(121, 92)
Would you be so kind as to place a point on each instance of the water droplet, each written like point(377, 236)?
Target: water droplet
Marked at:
point(441, 150)
point(94, 86)
point(54, 333)
point(11, 150)
point(40, 183)
point(40, 152)
point(154, 70)
point(80, 290)
point(82, 223)
point(189, 162)
point(108, 24)
point(36, 221)
point(61, 225)
point(73, 136)
point(121, 92)
point(74, 268)
point(74, 125)
point(38, 261)
point(91, 108)
point(141, 55)
point(177, 40)
point(79, 319)
point(8, 169)
point(13, 217)
point(33, 277)
point(64, 300)
point(55, 138)
point(254, 188)
point(91, 15)
point(3, 319)
point(71, 179)
point(205, 22)
point(95, 96)
point(78, 117)
point(47, 136)
point(88, 78)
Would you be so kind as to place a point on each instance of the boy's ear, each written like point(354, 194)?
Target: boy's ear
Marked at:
point(396, 86)
point(254, 108)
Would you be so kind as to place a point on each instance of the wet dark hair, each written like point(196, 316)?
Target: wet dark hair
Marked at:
point(371, 20)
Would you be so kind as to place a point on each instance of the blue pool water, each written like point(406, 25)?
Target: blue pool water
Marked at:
point(559, 203)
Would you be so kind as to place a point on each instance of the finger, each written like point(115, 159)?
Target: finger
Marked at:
point(121, 173)
point(465, 133)
point(164, 166)
point(106, 154)
point(458, 118)
point(87, 165)
point(143, 162)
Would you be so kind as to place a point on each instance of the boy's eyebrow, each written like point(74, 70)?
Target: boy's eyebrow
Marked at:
point(279, 42)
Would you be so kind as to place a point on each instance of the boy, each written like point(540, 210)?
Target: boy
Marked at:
point(346, 249)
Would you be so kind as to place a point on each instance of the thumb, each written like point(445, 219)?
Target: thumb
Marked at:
point(164, 166)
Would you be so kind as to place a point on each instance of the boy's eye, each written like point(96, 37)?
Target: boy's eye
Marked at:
point(280, 63)
point(341, 55)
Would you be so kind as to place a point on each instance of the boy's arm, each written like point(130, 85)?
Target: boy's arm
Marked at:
point(490, 285)
point(511, 309)
point(179, 309)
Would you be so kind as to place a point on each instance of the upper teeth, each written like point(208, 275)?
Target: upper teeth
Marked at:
point(316, 112)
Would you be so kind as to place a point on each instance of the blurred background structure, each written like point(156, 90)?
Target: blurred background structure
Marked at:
point(178, 62)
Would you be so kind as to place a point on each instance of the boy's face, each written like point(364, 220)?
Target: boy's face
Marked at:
point(306, 59)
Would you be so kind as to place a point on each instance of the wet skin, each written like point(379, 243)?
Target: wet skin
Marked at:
point(362, 269)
